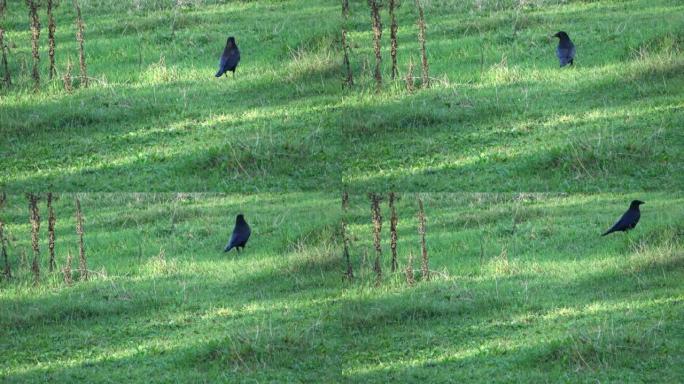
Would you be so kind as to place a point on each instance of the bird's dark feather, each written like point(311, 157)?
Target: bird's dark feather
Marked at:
point(565, 50)
point(240, 235)
point(565, 55)
point(628, 221)
point(229, 59)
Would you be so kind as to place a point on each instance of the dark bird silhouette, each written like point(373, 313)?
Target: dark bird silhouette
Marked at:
point(240, 234)
point(565, 50)
point(629, 220)
point(229, 59)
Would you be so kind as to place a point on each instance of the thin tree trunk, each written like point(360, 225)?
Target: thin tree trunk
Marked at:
point(67, 270)
point(393, 230)
point(82, 264)
point(377, 36)
point(377, 227)
point(34, 219)
point(7, 270)
point(345, 200)
point(349, 273)
point(422, 39)
point(68, 85)
point(345, 8)
point(410, 279)
point(35, 39)
point(425, 265)
point(80, 26)
point(51, 38)
point(349, 79)
point(7, 78)
point(393, 38)
point(51, 231)
point(410, 81)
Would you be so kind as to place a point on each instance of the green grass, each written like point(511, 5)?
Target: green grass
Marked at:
point(166, 303)
point(526, 291)
point(501, 115)
point(523, 289)
point(157, 119)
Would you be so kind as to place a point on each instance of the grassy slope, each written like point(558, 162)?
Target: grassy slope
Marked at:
point(502, 116)
point(530, 293)
point(194, 313)
point(526, 287)
point(157, 119)
point(526, 290)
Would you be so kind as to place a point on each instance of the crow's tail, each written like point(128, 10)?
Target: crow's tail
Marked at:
point(608, 232)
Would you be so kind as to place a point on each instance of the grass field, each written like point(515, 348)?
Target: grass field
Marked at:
point(157, 119)
point(521, 166)
point(500, 116)
point(168, 305)
point(523, 289)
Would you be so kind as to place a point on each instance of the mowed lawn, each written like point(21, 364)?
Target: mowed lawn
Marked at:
point(156, 119)
point(523, 288)
point(165, 304)
point(521, 166)
point(500, 115)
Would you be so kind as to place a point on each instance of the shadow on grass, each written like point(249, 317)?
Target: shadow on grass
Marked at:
point(217, 139)
point(270, 320)
point(435, 147)
point(445, 331)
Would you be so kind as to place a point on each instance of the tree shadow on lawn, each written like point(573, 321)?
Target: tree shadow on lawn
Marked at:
point(468, 231)
point(632, 163)
point(588, 351)
point(483, 324)
point(154, 312)
point(290, 348)
point(303, 343)
point(422, 134)
point(249, 165)
point(485, 298)
point(290, 141)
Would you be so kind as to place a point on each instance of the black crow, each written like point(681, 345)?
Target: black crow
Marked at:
point(240, 235)
point(230, 58)
point(629, 220)
point(565, 50)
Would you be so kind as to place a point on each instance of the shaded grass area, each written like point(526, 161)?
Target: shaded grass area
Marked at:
point(502, 116)
point(156, 118)
point(167, 304)
point(523, 289)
